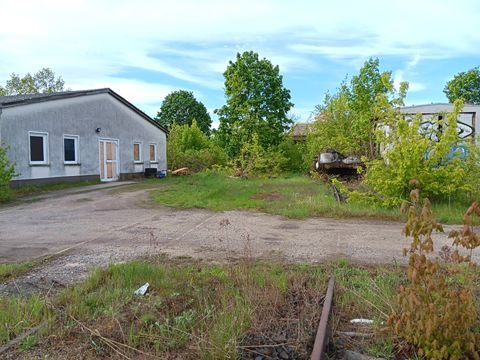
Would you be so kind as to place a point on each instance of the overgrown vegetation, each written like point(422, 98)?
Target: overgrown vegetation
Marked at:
point(192, 311)
point(348, 119)
point(195, 310)
point(7, 172)
point(188, 146)
point(10, 270)
point(444, 164)
point(363, 118)
point(437, 309)
point(291, 196)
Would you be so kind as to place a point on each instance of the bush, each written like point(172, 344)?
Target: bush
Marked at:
point(295, 156)
point(254, 160)
point(410, 153)
point(436, 307)
point(189, 147)
point(7, 172)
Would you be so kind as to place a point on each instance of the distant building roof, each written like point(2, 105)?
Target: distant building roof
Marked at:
point(26, 99)
point(299, 131)
point(437, 108)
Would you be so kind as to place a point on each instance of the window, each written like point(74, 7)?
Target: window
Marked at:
point(38, 145)
point(137, 152)
point(70, 149)
point(153, 153)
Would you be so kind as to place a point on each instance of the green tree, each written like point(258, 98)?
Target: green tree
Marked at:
point(444, 168)
point(43, 81)
point(188, 146)
point(181, 107)
point(7, 171)
point(347, 120)
point(256, 102)
point(464, 86)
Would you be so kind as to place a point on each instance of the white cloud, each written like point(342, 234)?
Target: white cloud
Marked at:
point(192, 41)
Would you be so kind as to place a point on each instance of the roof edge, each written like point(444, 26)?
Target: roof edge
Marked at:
point(73, 94)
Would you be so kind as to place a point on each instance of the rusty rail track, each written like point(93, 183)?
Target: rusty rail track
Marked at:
point(321, 339)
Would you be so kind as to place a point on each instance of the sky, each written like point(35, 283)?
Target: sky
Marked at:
point(143, 50)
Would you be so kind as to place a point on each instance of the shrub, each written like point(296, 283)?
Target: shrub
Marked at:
point(436, 311)
point(189, 147)
point(295, 156)
point(254, 160)
point(7, 172)
point(411, 153)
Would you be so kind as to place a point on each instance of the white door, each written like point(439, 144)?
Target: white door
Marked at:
point(109, 160)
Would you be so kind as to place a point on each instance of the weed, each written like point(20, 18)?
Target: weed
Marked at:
point(10, 270)
point(29, 342)
point(18, 314)
point(436, 313)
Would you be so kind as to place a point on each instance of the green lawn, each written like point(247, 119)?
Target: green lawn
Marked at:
point(291, 196)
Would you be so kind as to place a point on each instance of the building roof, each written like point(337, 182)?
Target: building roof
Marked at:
point(437, 108)
point(26, 99)
point(299, 130)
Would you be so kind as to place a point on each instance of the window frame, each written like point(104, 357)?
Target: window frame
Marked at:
point(155, 147)
point(140, 152)
point(76, 140)
point(46, 154)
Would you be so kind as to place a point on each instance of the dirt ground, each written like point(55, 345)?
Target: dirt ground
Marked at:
point(116, 224)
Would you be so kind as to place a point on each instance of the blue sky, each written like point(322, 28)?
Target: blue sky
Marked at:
point(145, 49)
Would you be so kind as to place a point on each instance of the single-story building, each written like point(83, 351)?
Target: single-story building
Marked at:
point(468, 119)
point(77, 135)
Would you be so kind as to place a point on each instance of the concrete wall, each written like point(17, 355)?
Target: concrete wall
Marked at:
point(79, 116)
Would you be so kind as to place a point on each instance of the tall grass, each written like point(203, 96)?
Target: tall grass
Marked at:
point(10, 270)
point(292, 196)
point(18, 314)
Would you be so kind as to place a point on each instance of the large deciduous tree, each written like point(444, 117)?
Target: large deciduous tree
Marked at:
point(348, 119)
point(43, 81)
point(464, 86)
point(181, 107)
point(256, 103)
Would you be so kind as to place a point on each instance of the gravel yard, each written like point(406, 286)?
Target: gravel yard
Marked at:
point(111, 224)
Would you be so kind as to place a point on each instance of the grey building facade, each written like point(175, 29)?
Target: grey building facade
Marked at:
point(91, 134)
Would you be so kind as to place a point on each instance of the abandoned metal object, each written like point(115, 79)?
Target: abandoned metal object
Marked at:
point(321, 338)
point(351, 160)
point(332, 162)
point(142, 290)
point(338, 196)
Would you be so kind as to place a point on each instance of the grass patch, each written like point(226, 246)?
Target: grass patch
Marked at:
point(292, 196)
point(193, 310)
point(10, 270)
point(18, 314)
point(205, 311)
